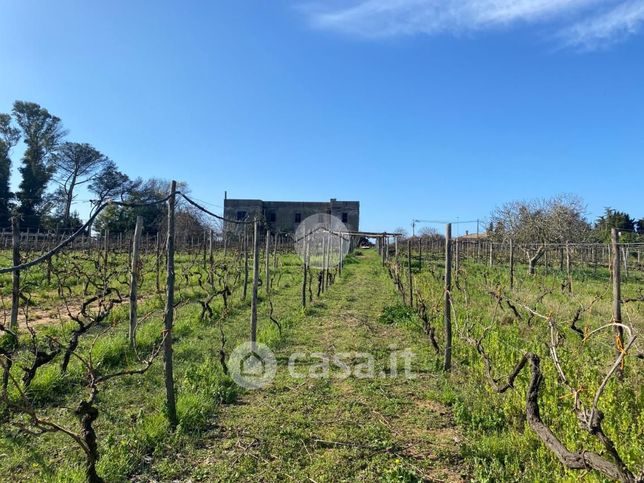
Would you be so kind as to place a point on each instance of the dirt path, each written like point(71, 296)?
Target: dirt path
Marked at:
point(338, 428)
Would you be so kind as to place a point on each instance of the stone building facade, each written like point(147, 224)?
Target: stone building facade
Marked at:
point(285, 216)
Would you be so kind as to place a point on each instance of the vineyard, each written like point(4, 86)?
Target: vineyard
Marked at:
point(115, 353)
point(541, 377)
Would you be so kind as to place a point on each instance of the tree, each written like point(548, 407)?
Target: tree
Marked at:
point(640, 226)
point(189, 221)
point(9, 136)
point(119, 219)
point(402, 231)
point(533, 224)
point(42, 133)
point(75, 164)
point(110, 183)
point(614, 219)
point(429, 232)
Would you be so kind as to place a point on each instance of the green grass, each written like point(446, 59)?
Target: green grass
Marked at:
point(333, 429)
point(324, 429)
point(501, 446)
point(132, 426)
point(434, 427)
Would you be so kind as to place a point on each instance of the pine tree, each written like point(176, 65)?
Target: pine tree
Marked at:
point(9, 136)
point(42, 133)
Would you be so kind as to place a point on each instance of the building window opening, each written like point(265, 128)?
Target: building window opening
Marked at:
point(345, 217)
point(298, 217)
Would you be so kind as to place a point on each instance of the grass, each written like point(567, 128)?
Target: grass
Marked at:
point(501, 446)
point(132, 425)
point(335, 428)
point(433, 427)
point(327, 429)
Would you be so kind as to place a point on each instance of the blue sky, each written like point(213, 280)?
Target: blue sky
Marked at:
point(418, 108)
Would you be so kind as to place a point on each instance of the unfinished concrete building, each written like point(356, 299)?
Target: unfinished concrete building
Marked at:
point(285, 216)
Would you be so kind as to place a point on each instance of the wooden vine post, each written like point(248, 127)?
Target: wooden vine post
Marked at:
point(305, 259)
point(491, 261)
point(411, 277)
point(448, 298)
point(15, 275)
point(158, 264)
point(327, 262)
point(106, 247)
point(211, 259)
point(134, 279)
point(245, 248)
point(511, 264)
point(340, 253)
point(568, 272)
point(617, 296)
point(329, 254)
point(253, 303)
point(323, 279)
point(594, 253)
point(275, 240)
point(267, 262)
point(225, 241)
point(171, 405)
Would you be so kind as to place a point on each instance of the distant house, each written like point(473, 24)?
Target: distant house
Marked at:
point(285, 216)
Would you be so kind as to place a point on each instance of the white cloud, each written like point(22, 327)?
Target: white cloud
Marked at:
point(603, 29)
point(578, 22)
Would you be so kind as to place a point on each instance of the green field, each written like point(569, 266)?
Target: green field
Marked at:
point(432, 427)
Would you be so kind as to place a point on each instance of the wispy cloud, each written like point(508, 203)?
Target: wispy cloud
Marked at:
point(579, 23)
point(607, 27)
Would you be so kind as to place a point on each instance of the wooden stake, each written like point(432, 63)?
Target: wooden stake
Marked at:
point(211, 259)
point(340, 253)
point(15, 275)
point(275, 239)
point(267, 262)
point(253, 303)
point(169, 315)
point(304, 272)
point(491, 262)
point(411, 277)
point(617, 295)
point(448, 298)
point(245, 248)
point(511, 264)
point(457, 257)
point(158, 264)
point(134, 280)
point(568, 273)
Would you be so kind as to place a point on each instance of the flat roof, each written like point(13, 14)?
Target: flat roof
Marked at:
point(289, 202)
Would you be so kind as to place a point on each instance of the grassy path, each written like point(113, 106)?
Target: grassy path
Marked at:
point(337, 429)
